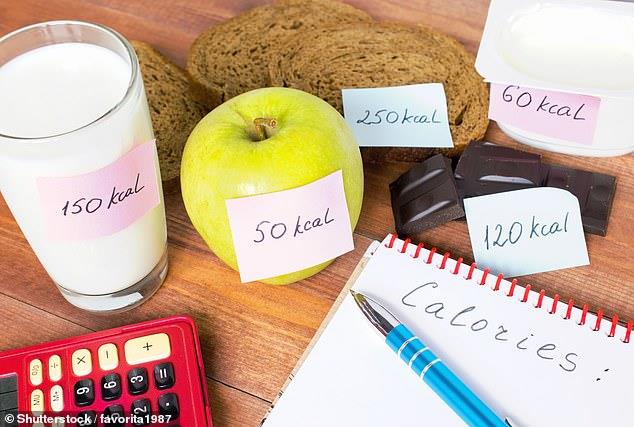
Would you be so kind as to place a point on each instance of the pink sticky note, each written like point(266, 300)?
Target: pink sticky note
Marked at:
point(290, 230)
point(102, 202)
point(567, 116)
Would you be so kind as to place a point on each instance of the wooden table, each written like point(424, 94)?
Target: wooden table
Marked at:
point(252, 335)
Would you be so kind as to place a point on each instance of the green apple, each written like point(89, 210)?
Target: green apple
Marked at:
point(263, 141)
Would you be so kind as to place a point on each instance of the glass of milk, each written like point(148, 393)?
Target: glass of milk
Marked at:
point(78, 162)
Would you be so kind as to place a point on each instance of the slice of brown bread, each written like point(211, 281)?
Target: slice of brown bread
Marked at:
point(232, 57)
point(386, 54)
point(173, 109)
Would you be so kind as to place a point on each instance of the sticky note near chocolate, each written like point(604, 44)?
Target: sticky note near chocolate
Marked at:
point(567, 116)
point(399, 116)
point(288, 231)
point(527, 231)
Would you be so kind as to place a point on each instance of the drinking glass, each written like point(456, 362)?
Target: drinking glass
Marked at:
point(78, 163)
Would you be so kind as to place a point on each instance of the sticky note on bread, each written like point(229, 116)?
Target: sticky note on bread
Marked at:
point(361, 55)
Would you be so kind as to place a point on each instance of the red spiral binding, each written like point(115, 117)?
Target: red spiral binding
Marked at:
point(584, 313)
point(553, 309)
point(432, 251)
point(512, 288)
point(485, 273)
point(418, 249)
point(457, 267)
point(628, 332)
point(571, 304)
point(471, 269)
point(444, 261)
point(614, 322)
point(498, 282)
point(405, 245)
point(527, 290)
point(540, 299)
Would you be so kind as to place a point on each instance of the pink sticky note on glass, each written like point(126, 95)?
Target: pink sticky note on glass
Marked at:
point(567, 116)
point(102, 202)
point(287, 231)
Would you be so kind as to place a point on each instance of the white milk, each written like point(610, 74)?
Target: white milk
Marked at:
point(56, 89)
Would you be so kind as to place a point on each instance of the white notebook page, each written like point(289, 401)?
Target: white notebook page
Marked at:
point(580, 377)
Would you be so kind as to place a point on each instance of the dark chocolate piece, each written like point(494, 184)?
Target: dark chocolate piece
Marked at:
point(485, 168)
point(425, 196)
point(595, 192)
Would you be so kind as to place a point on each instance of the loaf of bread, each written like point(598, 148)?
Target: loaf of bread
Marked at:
point(232, 57)
point(325, 60)
point(173, 109)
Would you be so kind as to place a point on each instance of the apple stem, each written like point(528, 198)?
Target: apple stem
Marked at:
point(262, 125)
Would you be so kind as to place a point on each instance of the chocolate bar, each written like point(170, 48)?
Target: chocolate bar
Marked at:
point(595, 192)
point(485, 168)
point(425, 196)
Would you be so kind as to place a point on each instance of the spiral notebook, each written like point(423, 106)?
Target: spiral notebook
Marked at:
point(535, 359)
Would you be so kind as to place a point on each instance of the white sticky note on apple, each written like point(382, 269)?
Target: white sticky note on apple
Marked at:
point(526, 231)
point(288, 231)
point(398, 116)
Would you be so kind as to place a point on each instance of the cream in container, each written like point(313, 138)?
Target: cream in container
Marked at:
point(562, 73)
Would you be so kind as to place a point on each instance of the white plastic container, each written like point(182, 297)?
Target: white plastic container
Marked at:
point(581, 47)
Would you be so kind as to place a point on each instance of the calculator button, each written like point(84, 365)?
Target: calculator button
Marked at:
point(57, 398)
point(87, 419)
point(168, 406)
point(84, 393)
point(8, 400)
point(114, 416)
point(164, 375)
point(37, 402)
point(8, 384)
point(35, 372)
point(111, 387)
point(108, 357)
point(137, 381)
point(9, 418)
point(141, 412)
point(55, 368)
point(147, 349)
point(82, 362)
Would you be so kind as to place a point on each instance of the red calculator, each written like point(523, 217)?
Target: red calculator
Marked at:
point(148, 374)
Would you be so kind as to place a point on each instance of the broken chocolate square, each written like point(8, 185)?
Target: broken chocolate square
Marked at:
point(595, 192)
point(425, 196)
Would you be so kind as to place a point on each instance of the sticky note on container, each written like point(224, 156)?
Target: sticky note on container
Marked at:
point(568, 116)
point(398, 116)
point(526, 231)
point(288, 231)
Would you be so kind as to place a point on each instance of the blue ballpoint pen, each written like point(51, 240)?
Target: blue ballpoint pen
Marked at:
point(428, 366)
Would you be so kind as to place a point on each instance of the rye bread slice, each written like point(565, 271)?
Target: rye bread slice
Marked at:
point(323, 61)
point(173, 109)
point(232, 57)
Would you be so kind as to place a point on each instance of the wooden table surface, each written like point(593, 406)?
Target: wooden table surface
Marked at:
point(252, 335)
